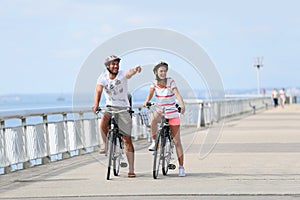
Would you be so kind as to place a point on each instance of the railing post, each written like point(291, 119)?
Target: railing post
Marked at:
point(27, 163)
point(6, 169)
point(83, 150)
point(199, 116)
point(218, 111)
point(202, 124)
point(66, 154)
point(47, 158)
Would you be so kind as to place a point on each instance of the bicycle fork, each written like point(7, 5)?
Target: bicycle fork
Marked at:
point(170, 154)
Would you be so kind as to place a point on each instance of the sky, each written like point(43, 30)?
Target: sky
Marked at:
point(44, 43)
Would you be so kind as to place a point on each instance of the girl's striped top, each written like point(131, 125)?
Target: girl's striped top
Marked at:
point(165, 97)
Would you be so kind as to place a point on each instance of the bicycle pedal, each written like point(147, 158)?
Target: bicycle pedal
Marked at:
point(123, 164)
point(172, 166)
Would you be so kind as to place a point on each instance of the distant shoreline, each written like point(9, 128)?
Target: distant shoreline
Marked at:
point(42, 100)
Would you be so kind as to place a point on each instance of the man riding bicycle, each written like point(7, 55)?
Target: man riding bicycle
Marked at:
point(114, 83)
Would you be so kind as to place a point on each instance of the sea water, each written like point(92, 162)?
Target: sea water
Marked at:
point(34, 101)
point(31, 101)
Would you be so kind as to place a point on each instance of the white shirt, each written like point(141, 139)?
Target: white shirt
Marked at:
point(115, 90)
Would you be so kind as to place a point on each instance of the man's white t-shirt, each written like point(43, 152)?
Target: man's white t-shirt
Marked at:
point(115, 90)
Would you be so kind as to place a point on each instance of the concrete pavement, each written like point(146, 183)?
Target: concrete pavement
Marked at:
point(256, 157)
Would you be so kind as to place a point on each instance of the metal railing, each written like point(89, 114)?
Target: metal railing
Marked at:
point(40, 136)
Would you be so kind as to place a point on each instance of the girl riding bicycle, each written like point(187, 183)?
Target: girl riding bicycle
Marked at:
point(166, 92)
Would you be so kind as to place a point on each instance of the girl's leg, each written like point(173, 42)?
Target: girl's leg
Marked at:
point(175, 129)
point(156, 119)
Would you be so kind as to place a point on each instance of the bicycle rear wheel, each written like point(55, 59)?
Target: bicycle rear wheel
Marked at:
point(157, 155)
point(117, 155)
point(110, 149)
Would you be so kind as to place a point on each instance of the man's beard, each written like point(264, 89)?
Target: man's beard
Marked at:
point(114, 73)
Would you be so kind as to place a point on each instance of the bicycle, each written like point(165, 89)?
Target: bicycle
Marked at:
point(164, 145)
point(114, 147)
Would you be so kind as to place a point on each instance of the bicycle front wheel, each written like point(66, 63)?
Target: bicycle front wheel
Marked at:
point(157, 155)
point(117, 155)
point(110, 149)
point(166, 155)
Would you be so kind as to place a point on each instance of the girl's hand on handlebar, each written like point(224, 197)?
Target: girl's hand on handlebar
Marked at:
point(145, 104)
point(182, 110)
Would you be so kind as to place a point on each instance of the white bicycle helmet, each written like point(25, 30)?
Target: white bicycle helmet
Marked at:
point(110, 59)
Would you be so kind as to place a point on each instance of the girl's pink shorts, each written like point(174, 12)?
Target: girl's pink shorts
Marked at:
point(174, 121)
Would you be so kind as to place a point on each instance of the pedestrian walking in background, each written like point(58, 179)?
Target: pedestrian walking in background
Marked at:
point(275, 96)
point(282, 96)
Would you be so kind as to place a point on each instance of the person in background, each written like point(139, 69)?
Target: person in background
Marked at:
point(282, 97)
point(166, 92)
point(114, 84)
point(275, 97)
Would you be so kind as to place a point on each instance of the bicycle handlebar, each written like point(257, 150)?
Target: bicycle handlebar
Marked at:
point(103, 110)
point(149, 104)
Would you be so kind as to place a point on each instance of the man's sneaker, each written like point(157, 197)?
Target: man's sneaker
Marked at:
point(181, 171)
point(152, 146)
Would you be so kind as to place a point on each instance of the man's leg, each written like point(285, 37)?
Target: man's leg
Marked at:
point(104, 127)
point(130, 154)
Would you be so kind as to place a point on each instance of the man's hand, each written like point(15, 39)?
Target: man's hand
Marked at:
point(138, 69)
point(133, 71)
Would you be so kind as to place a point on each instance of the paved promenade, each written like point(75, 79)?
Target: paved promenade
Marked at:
point(256, 157)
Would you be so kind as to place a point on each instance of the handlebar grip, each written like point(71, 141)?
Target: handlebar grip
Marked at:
point(148, 104)
point(178, 107)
